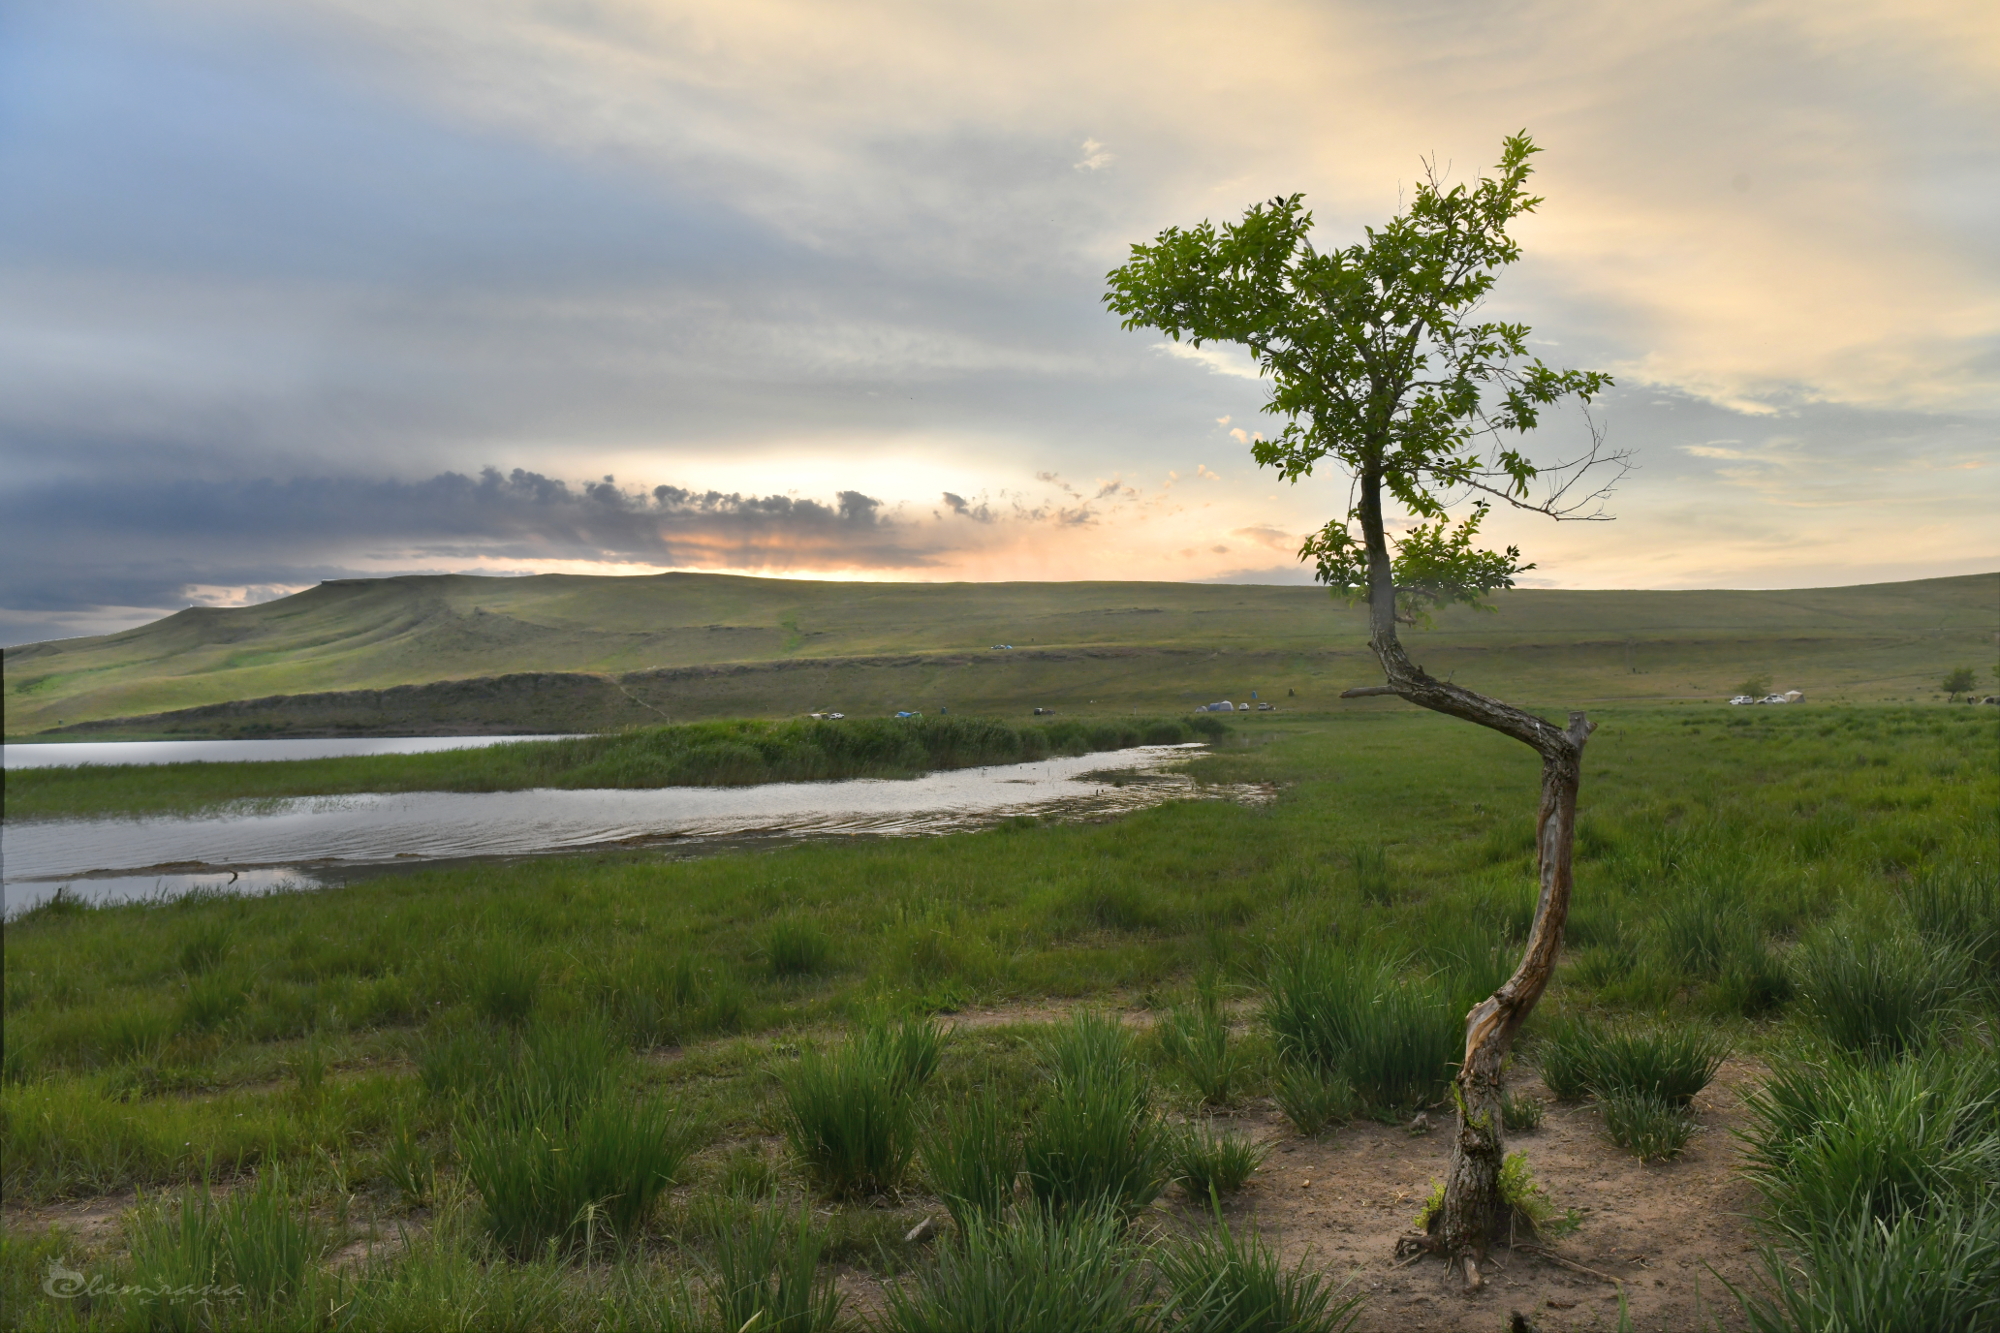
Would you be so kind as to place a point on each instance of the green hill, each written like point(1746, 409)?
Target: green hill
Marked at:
point(563, 651)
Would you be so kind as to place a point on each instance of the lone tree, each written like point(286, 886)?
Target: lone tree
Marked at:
point(1379, 364)
point(1960, 680)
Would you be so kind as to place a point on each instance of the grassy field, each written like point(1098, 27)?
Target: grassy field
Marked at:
point(702, 754)
point(560, 652)
point(458, 1052)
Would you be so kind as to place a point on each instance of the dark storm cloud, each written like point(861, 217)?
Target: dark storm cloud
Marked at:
point(69, 543)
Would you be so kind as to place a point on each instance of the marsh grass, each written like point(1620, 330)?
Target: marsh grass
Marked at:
point(765, 1274)
point(699, 754)
point(408, 1165)
point(1878, 989)
point(558, 1154)
point(1368, 864)
point(1849, 1136)
point(1956, 907)
point(503, 986)
point(579, 1181)
point(1520, 1114)
point(1877, 1179)
point(663, 997)
point(1196, 1042)
point(850, 1116)
point(972, 1157)
point(1395, 1037)
point(797, 946)
point(1652, 1128)
point(1096, 1141)
point(1910, 1271)
point(124, 1069)
point(1218, 1282)
point(195, 1252)
point(1313, 1098)
point(1580, 1057)
point(1079, 1271)
point(1207, 1162)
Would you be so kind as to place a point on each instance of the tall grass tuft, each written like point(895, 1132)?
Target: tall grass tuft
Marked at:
point(797, 946)
point(1877, 1178)
point(1877, 991)
point(1847, 1138)
point(198, 1254)
point(850, 1116)
point(1911, 1271)
point(1671, 1064)
point(910, 1049)
point(1369, 865)
point(557, 1156)
point(502, 986)
point(1957, 906)
point(408, 1165)
point(575, 1181)
point(1076, 1272)
point(1096, 1141)
point(1218, 1283)
point(1652, 1128)
point(766, 1275)
point(1195, 1040)
point(1312, 1097)
point(973, 1158)
point(1395, 1039)
point(1207, 1162)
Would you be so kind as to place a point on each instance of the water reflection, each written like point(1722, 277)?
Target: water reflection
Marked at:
point(293, 841)
point(43, 754)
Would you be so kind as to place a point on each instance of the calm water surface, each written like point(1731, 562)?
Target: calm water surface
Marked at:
point(290, 843)
point(48, 755)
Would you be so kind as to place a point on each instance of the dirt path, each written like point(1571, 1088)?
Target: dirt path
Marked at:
point(1659, 1229)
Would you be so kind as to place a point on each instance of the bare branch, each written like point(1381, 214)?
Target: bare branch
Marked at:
point(1565, 501)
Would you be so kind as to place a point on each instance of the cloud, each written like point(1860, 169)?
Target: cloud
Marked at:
point(1231, 361)
point(772, 250)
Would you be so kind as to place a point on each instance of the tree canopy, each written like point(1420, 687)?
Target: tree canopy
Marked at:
point(1379, 360)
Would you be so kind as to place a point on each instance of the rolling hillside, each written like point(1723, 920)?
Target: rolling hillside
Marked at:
point(559, 652)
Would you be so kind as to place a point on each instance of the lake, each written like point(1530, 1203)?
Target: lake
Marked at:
point(42, 754)
point(298, 842)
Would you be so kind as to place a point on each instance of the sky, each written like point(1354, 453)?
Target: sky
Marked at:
point(335, 288)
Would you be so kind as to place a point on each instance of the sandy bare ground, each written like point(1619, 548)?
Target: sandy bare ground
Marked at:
point(1664, 1230)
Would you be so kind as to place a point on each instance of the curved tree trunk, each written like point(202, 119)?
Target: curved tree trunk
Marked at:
point(1472, 1204)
